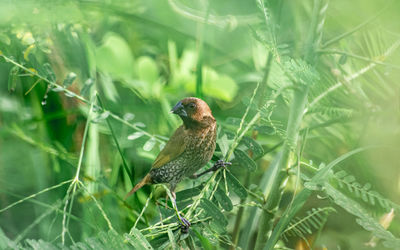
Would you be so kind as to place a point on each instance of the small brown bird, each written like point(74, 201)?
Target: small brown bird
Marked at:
point(189, 149)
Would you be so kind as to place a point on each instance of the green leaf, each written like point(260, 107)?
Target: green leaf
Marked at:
point(253, 146)
point(264, 129)
point(364, 218)
point(5, 242)
point(242, 159)
point(216, 85)
point(219, 85)
point(188, 193)
point(138, 241)
point(172, 239)
point(149, 145)
point(5, 39)
point(343, 59)
point(135, 135)
point(189, 241)
point(114, 56)
point(235, 185)
point(69, 79)
point(301, 72)
point(313, 221)
point(172, 56)
point(166, 212)
point(147, 69)
point(223, 199)
point(108, 86)
point(101, 117)
point(40, 244)
point(233, 121)
point(13, 78)
point(112, 240)
point(212, 210)
point(205, 243)
point(224, 144)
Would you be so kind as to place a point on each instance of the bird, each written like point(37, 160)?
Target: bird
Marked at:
point(189, 149)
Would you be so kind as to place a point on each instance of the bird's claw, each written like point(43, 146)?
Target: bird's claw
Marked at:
point(221, 164)
point(185, 225)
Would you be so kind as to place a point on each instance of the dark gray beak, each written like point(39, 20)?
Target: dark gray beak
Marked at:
point(179, 109)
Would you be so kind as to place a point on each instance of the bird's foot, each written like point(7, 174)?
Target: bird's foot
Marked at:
point(185, 224)
point(220, 164)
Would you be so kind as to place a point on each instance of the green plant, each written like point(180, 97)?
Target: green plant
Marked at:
point(305, 97)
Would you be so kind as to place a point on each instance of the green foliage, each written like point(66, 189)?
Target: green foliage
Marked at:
point(85, 93)
point(114, 56)
point(363, 192)
point(314, 220)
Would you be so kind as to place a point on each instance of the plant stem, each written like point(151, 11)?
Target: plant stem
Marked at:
point(131, 174)
point(277, 174)
point(236, 228)
point(199, 66)
point(75, 181)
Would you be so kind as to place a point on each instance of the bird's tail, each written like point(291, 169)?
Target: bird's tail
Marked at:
point(144, 181)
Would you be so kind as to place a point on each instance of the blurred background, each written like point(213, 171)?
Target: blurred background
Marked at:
point(141, 57)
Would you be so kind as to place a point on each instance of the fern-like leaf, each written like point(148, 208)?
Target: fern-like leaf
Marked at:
point(313, 221)
point(363, 192)
point(364, 219)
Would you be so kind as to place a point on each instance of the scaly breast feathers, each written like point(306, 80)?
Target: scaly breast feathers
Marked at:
point(198, 152)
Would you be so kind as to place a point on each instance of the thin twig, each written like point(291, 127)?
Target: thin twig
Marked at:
point(144, 208)
point(110, 227)
point(376, 61)
point(352, 76)
point(34, 195)
point(76, 179)
point(355, 29)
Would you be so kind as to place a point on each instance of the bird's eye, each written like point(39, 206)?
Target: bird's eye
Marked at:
point(192, 105)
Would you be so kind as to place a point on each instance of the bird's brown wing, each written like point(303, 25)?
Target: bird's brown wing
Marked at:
point(174, 147)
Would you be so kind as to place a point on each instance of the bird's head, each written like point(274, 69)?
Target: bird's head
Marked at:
point(193, 111)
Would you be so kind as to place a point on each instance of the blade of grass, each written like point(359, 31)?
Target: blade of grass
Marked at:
point(277, 176)
point(131, 174)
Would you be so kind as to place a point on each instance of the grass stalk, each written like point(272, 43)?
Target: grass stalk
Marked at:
point(34, 195)
point(131, 174)
point(363, 58)
point(238, 219)
point(277, 175)
point(273, 191)
point(103, 213)
point(75, 181)
point(143, 209)
point(200, 53)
